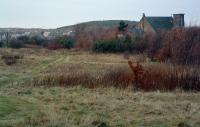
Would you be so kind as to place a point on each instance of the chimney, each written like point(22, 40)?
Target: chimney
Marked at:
point(143, 14)
point(179, 20)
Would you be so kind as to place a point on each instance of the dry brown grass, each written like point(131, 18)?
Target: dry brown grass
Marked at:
point(120, 78)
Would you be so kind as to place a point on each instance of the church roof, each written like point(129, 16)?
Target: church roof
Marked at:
point(157, 23)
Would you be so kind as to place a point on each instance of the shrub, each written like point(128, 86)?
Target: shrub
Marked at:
point(14, 43)
point(178, 45)
point(126, 44)
point(66, 42)
point(114, 46)
point(11, 58)
point(165, 77)
point(181, 46)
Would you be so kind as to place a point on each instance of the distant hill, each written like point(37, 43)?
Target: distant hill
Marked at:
point(99, 24)
point(86, 26)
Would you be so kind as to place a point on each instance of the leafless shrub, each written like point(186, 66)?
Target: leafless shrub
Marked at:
point(166, 77)
point(181, 46)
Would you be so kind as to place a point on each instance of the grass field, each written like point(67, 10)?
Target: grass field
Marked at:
point(24, 105)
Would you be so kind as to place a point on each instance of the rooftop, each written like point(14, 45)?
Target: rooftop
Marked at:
point(161, 22)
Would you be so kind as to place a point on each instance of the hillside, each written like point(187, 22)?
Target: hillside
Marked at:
point(91, 24)
point(98, 24)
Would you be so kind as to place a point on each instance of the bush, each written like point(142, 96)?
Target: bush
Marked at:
point(182, 46)
point(37, 40)
point(114, 46)
point(14, 43)
point(11, 58)
point(66, 42)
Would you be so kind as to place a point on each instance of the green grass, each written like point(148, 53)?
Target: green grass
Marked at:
point(6, 107)
point(14, 110)
point(80, 107)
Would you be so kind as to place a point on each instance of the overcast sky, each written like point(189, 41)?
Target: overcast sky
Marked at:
point(57, 13)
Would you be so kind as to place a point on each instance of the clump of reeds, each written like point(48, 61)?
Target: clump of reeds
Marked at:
point(115, 77)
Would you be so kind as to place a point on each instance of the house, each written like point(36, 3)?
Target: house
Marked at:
point(46, 34)
point(155, 24)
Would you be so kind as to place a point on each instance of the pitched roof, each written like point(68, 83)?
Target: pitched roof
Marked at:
point(161, 22)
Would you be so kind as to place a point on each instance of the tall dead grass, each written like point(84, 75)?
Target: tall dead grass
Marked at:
point(165, 77)
point(120, 78)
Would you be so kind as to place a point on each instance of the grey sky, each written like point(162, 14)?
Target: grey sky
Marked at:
point(56, 13)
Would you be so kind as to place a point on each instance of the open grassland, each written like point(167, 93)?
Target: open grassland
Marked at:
point(32, 93)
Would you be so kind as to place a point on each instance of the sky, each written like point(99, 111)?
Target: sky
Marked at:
point(58, 13)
